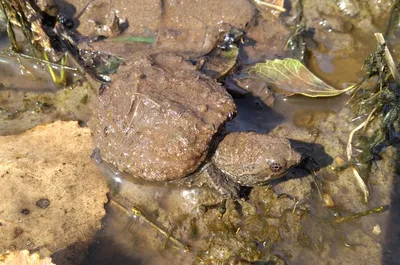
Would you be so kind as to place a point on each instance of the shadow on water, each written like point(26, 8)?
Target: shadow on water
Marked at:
point(314, 158)
point(254, 115)
point(106, 251)
point(390, 249)
point(70, 255)
point(313, 151)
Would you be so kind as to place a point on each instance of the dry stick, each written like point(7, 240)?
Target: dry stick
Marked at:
point(388, 57)
point(74, 59)
point(369, 118)
point(358, 215)
point(349, 152)
point(276, 7)
point(136, 212)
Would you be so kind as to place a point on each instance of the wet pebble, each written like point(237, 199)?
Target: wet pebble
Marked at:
point(43, 203)
point(327, 200)
point(376, 230)
point(339, 161)
point(202, 209)
point(348, 7)
point(25, 211)
point(202, 108)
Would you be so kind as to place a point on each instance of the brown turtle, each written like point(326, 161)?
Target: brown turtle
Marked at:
point(161, 120)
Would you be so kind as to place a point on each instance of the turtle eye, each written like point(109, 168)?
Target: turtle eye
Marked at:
point(275, 167)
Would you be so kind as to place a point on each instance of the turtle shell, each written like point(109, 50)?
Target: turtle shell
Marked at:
point(157, 118)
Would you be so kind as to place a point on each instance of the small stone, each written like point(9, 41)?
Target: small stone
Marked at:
point(376, 230)
point(328, 201)
point(25, 211)
point(43, 203)
point(339, 161)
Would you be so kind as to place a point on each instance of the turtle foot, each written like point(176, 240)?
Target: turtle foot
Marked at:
point(225, 186)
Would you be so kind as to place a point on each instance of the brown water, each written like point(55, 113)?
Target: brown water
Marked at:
point(299, 230)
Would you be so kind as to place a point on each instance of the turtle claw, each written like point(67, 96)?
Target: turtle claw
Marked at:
point(222, 209)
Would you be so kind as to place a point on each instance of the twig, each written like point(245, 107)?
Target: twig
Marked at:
point(358, 215)
point(369, 118)
point(388, 58)
point(136, 212)
point(349, 152)
point(276, 7)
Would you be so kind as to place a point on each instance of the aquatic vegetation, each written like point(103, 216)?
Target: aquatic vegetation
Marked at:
point(376, 97)
point(298, 40)
point(128, 39)
point(48, 39)
point(24, 15)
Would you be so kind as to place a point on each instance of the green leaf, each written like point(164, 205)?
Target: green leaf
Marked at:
point(291, 77)
point(128, 39)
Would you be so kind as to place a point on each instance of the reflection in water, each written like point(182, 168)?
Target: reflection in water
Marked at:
point(23, 74)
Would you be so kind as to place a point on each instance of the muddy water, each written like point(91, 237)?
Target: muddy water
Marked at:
point(288, 223)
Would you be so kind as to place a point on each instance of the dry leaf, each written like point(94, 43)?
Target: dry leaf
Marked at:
point(291, 77)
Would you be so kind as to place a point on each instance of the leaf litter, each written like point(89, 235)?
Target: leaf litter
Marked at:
point(291, 77)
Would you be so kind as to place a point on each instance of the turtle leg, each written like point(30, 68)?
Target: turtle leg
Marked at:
point(223, 184)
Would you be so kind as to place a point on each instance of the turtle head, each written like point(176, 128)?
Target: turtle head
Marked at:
point(252, 159)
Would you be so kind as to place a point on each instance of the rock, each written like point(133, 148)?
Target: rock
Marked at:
point(265, 40)
point(23, 258)
point(53, 195)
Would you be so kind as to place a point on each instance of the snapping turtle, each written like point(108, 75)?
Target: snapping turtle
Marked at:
point(161, 120)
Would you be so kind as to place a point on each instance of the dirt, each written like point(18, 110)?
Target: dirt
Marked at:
point(191, 27)
point(264, 40)
point(53, 195)
point(23, 109)
point(245, 234)
point(194, 27)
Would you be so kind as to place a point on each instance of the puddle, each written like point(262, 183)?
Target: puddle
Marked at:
point(285, 222)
